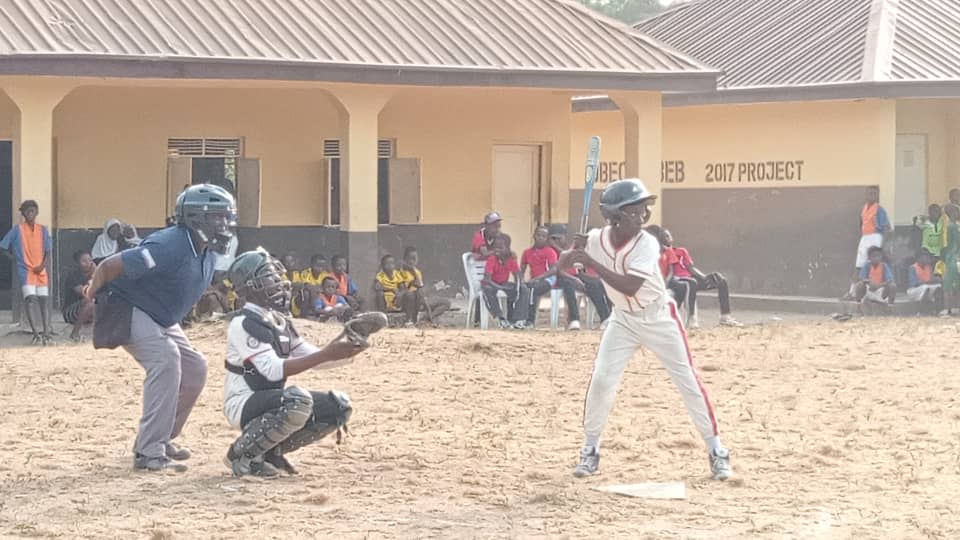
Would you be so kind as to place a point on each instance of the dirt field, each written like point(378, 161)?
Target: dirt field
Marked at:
point(838, 430)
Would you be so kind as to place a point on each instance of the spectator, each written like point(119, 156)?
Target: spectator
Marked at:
point(391, 286)
point(299, 296)
point(876, 280)
point(329, 304)
point(77, 310)
point(482, 246)
point(131, 239)
point(541, 259)
point(345, 284)
point(584, 280)
point(310, 281)
point(926, 286)
point(29, 244)
point(501, 266)
point(108, 242)
point(679, 289)
point(954, 197)
point(434, 306)
point(873, 224)
point(931, 229)
point(681, 268)
point(951, 258)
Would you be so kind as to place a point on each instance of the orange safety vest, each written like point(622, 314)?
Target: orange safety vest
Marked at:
point(877, 274)
point(924, 273)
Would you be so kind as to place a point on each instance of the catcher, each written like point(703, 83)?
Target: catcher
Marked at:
point(263, 349)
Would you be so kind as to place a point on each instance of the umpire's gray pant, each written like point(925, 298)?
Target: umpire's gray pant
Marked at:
point(175, 375)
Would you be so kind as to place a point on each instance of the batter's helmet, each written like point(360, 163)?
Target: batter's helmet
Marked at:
point(260, 279)
point(623, 193)
point(209, 211)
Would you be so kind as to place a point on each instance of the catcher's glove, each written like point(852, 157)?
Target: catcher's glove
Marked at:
point(361, 327)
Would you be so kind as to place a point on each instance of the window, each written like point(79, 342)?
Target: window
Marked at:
point(214, 159)
point(386, 150)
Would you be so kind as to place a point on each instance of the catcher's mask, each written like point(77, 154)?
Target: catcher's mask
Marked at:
point(210, 212)
point(261, 279)
point(625, 193)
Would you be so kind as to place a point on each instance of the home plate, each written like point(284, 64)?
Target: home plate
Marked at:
point(649, 490)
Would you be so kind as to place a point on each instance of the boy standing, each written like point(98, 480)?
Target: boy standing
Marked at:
point(873, 224)
point(29, 243)
point(627, 260)
point(931, 229)
point(876, 280)
point(501, 266)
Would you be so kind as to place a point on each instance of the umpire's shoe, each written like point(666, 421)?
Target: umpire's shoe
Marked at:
point(156, 464)
point(177, 453)
point(589, 463)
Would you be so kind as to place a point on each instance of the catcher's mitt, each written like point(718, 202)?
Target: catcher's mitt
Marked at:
point(361, 327)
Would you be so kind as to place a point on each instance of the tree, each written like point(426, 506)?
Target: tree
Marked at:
point(628, 11)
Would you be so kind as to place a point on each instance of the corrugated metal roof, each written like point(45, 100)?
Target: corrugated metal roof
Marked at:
point(769, 42)
point(926, 45)
point(814, 42)
point(527, 35)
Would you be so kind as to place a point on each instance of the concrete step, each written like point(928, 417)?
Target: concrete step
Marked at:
point(810, 305)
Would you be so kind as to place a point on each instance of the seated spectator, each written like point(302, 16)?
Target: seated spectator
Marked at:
point(925, 285)
point(345, 285)
point(413, 278)
point(482, 245)
point(583, 280)
point(77, 310)
point(501, 266)
point(679, 289)
point(299, 296)
point(391, 286)
point(541, 259)
point(876, 280)
point(131, 238)
point(108, 242)
point(682, 268)
point(310, 281)
point(328, 304)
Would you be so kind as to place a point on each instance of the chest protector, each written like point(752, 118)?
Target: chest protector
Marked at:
point(266, 327)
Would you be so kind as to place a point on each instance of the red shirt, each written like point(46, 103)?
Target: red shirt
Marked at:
point(479, 240)
point(500, 271)
point(539, 260)
point(678, 259)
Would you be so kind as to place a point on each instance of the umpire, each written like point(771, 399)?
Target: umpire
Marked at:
point(142, 294)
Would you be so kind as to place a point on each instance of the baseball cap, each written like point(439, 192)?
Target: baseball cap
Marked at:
point(558, 229)
point(491, 218)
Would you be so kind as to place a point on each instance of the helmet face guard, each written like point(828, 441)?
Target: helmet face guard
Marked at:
point(266, 285)
point(210, 212)
point(622, 194)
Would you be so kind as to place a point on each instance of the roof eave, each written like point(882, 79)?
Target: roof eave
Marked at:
point(256, 69)
point(774, 94)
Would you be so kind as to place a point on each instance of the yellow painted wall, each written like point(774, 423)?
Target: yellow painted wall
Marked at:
point(839, 143)
point(453, 132)
point(112, 148)
point(939, 120)
point(8, 117)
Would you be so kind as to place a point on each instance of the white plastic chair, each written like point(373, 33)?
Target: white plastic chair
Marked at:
point(589, 311)
point(473, 270)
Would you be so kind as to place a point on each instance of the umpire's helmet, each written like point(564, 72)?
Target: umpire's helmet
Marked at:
point(260, 279)
point(623, 193)
point(209, 211)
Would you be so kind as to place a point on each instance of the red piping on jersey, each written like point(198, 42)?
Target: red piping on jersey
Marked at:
point(686, 347)
point(605, 250)
point(254, 355)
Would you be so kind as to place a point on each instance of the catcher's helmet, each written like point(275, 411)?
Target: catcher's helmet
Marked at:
point(623, 193)
point(209, 211)
point(260, 279)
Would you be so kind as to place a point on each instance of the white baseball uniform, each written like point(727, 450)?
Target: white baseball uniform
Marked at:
point(647, 319)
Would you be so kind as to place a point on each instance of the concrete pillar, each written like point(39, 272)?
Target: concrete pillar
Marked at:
point(33, 158)
point(643, 140)
point(358, 178)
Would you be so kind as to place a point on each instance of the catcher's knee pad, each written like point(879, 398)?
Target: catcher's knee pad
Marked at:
point(331, 411)
point(275, 426)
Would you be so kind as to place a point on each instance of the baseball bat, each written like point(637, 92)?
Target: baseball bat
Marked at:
point(593, 161)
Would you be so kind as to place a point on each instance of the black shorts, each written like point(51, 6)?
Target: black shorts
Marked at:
point(326, 408)
point(71, 312)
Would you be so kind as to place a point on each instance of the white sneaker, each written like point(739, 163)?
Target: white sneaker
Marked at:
point(728, 320)
point(574, 325)
point(720, 464)
point(589, 463)
point(693, 322)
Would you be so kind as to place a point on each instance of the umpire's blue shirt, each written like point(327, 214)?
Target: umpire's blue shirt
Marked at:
point(165, 276)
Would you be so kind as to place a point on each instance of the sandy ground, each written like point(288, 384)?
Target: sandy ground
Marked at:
point(838, 430)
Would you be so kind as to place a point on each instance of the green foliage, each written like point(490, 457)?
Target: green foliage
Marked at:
point(628, 11)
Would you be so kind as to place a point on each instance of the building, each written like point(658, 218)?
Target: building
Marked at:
point(763, 177)
point(344, 127)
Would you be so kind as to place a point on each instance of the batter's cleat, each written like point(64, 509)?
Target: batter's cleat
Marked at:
point(728, 320)
point(574, 325)
point(523, 325)
point(720, 464)
point(589, 463)
point(156, 464)
point(177, 453)
point(275, 458)
point(505, 324)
